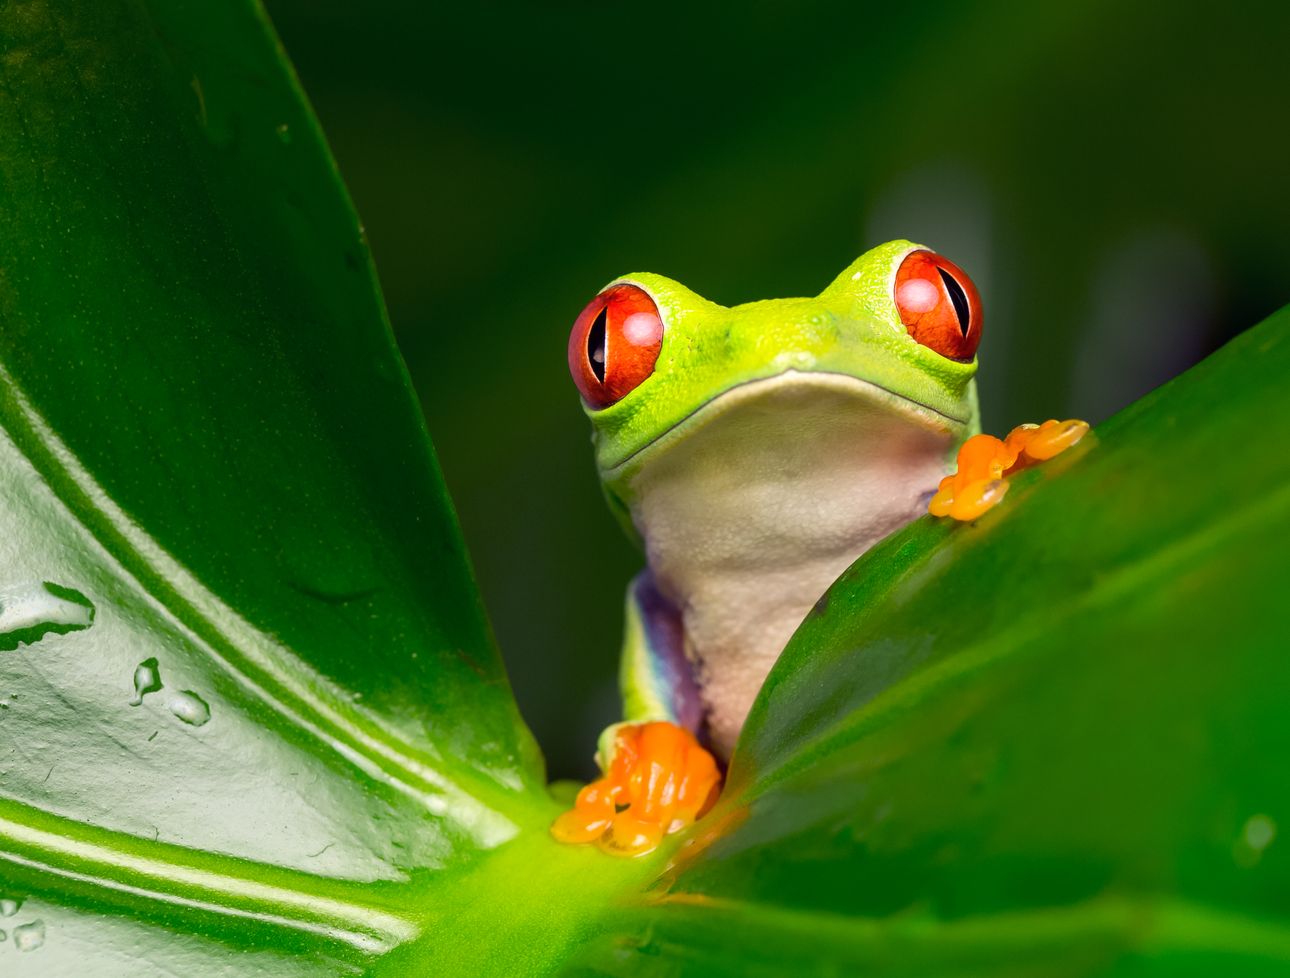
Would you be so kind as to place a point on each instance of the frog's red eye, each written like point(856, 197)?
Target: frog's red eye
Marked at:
point(939, 305)
point(614, 344)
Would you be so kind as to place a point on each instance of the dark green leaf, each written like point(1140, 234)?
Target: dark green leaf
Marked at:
point(247, 691)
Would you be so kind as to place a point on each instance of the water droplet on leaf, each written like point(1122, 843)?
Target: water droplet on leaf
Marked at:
point(29, 612)
point(147, 679)
point(28, 937)
point(190, 708)
point(9, 907)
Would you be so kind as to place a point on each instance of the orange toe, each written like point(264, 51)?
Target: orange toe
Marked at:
point(658, 781)
point(1054, 437)
point(977, 497)
point(576, 828)
point(632, 836)
point(979, 482)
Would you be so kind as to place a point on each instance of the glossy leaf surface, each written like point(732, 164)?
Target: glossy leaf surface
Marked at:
point(249, 670)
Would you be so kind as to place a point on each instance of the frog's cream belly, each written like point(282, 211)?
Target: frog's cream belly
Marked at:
point(753, 507)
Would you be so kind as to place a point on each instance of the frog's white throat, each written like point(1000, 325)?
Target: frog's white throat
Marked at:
point(754, 505)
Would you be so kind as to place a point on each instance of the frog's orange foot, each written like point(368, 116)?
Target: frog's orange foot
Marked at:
point(984, 461)
point(658, 781)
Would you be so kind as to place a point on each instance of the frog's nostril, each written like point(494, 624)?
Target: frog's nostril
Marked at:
point(796, 360)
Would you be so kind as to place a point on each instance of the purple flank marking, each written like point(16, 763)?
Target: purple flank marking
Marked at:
point(665, 638)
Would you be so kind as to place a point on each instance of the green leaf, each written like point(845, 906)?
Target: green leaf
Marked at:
point(192, 331)
point(1051, 742)
point(248, 694)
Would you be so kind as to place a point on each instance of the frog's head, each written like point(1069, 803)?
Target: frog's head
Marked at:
point(897, 332)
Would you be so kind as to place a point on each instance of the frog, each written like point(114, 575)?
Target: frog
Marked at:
point(754, 452)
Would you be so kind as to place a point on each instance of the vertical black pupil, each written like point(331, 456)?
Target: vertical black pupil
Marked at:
point(959, 298)
point(596, 345)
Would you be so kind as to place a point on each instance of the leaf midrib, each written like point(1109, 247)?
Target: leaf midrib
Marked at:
point(156, 871)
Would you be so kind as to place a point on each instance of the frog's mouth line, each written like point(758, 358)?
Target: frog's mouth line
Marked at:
point(864, 388)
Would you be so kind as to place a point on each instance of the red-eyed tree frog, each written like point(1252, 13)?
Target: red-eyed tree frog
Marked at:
point(755, 452)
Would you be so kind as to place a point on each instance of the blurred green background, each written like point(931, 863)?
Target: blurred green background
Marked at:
point(1112, 175)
